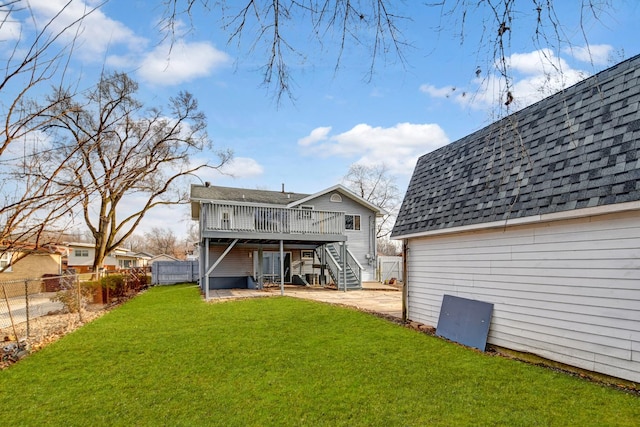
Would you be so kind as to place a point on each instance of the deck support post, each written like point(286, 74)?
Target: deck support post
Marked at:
point(281, 267)
point(260, 274)
point(206, 269)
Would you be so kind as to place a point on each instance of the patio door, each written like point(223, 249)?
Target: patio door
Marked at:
point(271, 265)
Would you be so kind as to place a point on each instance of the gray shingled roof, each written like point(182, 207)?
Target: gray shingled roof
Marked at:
point(575, 149)
point(201, 192)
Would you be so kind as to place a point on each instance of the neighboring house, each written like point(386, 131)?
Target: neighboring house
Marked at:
point(248, 237)
point(143, 259)
point(162, 257)
point(81, 255)
point(539, 214)
point(24, 263)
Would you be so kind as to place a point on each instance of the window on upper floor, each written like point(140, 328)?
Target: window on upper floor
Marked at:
point(81, 252)
point(5, 262)
point(352, 222)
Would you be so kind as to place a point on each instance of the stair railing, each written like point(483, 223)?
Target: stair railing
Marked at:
point(334, 266)
point(354, 266)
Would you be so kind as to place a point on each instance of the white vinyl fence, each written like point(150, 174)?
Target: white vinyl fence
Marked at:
point(171, 272)
point(389, 267)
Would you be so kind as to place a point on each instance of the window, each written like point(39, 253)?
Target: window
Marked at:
point(352, 222)
point(81, 252)
point(307, 254)
point(5, 262)
point(336, 198)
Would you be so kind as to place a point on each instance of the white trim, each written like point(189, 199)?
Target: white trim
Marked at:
point(534, 219)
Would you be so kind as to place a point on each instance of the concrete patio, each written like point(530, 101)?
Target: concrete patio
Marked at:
point(374, 296)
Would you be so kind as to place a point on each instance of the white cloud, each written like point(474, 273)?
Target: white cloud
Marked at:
point(242, 167)
point(10, 27)
point(398, 147)
point(437, 92)
point(535, 75)
point(174, 64)
point(96, 33)
point(598, 54)
point(316, 135)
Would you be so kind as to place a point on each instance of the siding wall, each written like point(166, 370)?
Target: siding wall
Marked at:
point(236, 263)
point(360, 243)
point(33, 266)
point(568, 291)
point(86, 261)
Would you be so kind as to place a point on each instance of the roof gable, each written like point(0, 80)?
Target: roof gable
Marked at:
point(576, 149)
point(339, 188)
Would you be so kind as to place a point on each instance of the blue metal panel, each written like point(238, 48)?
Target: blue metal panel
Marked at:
point(465, 321)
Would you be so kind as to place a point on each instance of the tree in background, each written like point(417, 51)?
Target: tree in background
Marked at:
point(377, 186)
point(136, 243)
point(163, 241)
point(33, 211)
point(120, 159)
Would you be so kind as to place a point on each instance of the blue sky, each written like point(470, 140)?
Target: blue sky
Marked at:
point(344, 116)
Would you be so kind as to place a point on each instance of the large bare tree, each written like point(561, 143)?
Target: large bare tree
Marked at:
point(32, 210)
point(123, 159)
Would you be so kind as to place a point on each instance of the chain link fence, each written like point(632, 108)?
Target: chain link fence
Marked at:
point(34, 312)
point(25, 302)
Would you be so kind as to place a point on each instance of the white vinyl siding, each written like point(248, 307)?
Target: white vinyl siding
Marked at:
point(568, 291)
point(77, 258)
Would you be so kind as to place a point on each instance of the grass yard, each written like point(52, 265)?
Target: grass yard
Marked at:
point(167, 358)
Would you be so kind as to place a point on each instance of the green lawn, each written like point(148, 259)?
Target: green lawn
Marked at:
point(167, 358)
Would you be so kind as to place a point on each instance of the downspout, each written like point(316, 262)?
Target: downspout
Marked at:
point(405, 281)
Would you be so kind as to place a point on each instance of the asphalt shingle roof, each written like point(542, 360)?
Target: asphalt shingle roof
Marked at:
point(244, 195)
point(575, 149)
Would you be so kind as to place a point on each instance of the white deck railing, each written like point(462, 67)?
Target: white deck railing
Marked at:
point(260, 219)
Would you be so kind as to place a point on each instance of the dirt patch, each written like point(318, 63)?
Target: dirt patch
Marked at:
point(47, 329)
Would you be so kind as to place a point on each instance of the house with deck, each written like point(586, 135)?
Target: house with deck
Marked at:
point(251, 237)
point(539, 215)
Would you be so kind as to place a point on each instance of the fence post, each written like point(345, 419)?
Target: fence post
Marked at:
point(26, 300)
point(79, 296)
point(13, 325)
